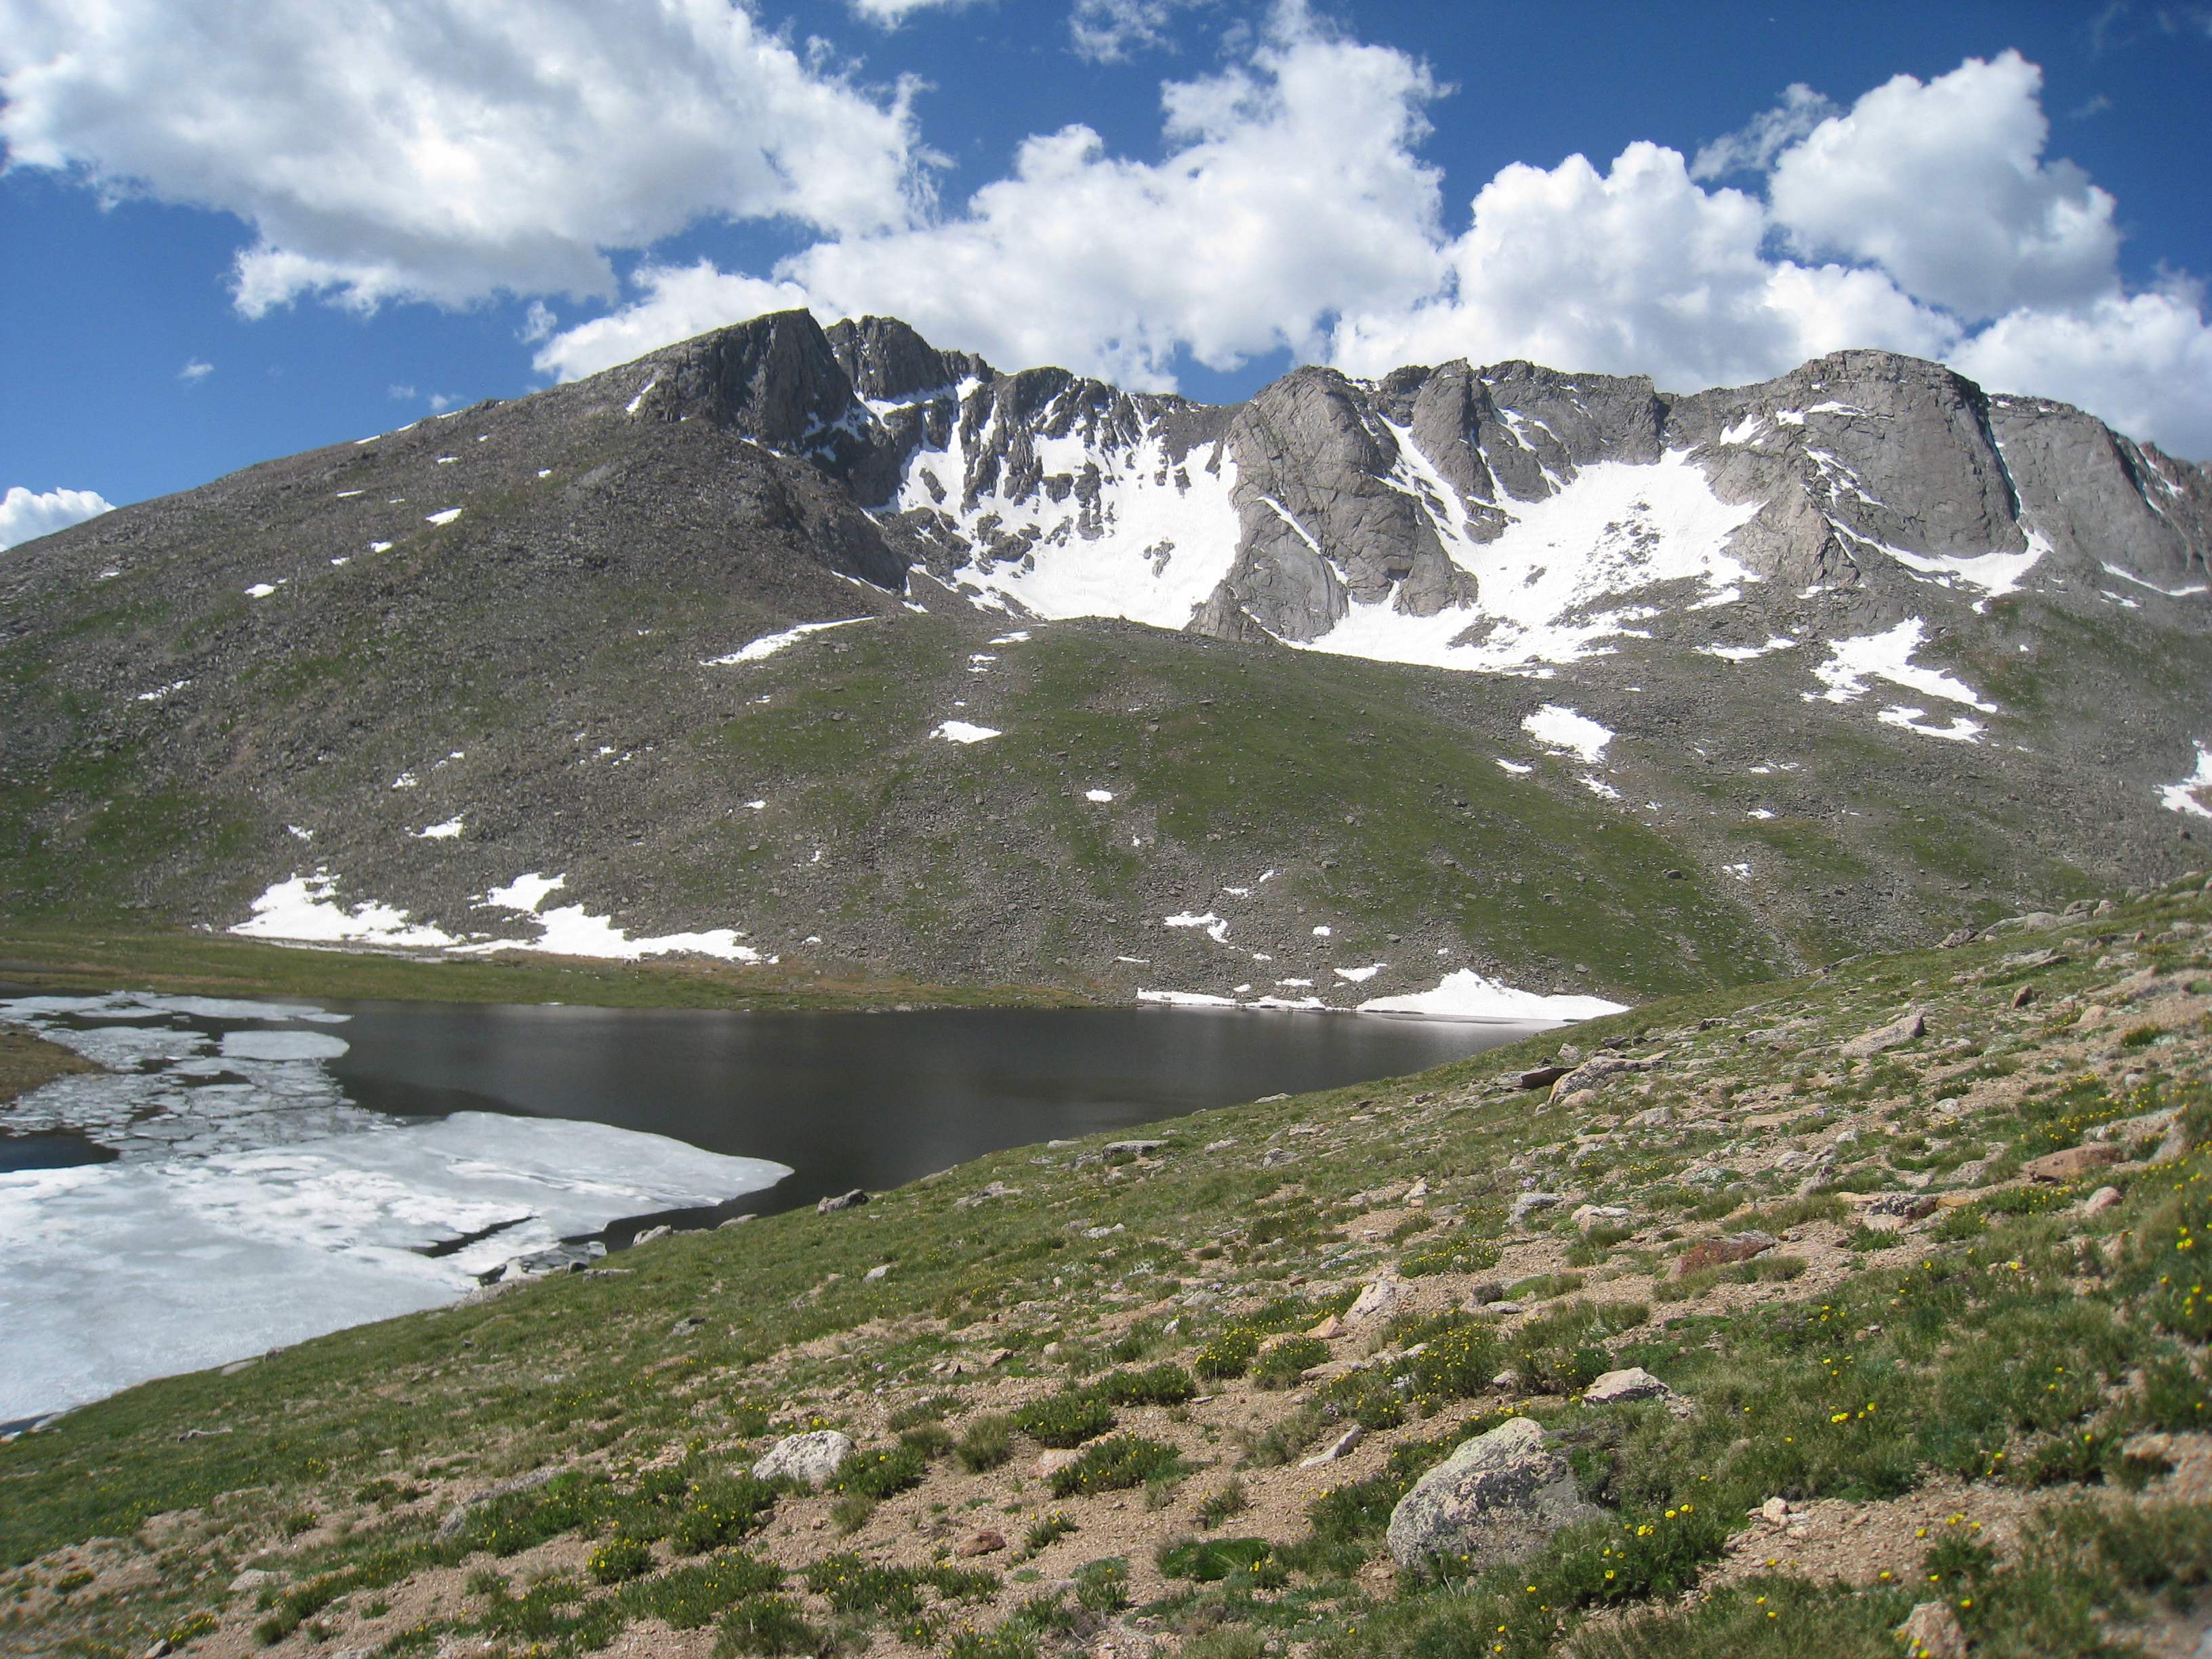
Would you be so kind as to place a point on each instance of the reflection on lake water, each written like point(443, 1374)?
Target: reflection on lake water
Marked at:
point(869, 1100)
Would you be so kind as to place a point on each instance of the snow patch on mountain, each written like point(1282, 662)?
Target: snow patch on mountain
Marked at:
point(1544, 584)
point(1103, 529)
point(2188, 795)
point(308, 908)
point(1888, 656)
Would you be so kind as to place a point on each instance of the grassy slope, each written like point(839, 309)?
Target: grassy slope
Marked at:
point(1995, 1356)
point(205, 964)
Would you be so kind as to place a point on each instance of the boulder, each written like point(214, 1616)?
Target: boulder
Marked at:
point(851, 1200)
point(1051, 1462)
point(1337, 1448)
point(1901, 1030)
point(985, 1542)
point(1588, 1216)
point(1618, 1388)
point(651, 1234)
point(1495, 1499)
point(2071, 1164)
point(1527, 1203)
point(2100, 1200)
point(1721, 1252)
point(1373, 1301)
point(1932, 1631)
point(812, 1458)
point(1134, 1148)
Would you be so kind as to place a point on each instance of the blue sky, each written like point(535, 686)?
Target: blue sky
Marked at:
point(228, 234)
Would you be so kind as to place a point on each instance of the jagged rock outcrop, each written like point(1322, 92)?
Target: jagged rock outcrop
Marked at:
point(1865, 474)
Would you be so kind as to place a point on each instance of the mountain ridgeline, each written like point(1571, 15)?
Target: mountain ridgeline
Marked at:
point(1315, 698)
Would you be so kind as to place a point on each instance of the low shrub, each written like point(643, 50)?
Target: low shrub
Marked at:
point(1101, 1587)
point(693, 1596)
point(1048, 1531)
point(1281, 1365)
point(931, 1440)
point(1114, 1464)
point(769, 1626)
point(1452, 1254)
point(1218, 1506)
point(722, 1510)
point(1239, 1565)
point(1168, 1384)
point(916, 1412)
point(881, 1473)
point(989, 1443)
point(1229, 1353)
point(1281, 1441)
point(1065, 1420)
point(620, 1558)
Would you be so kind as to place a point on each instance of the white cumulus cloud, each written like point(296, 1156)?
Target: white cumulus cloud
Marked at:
point(1293, 208)
point(1638, 270)
point(436, 149)
point(2143, 362)
point(1944, 185)
point(25, 517)
point(1291, 189)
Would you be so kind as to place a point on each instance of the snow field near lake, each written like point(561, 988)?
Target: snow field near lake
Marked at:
point(1462, 995)
point(570, 930)
point(252, 1206)
point(1466, 994)
point(306, 909)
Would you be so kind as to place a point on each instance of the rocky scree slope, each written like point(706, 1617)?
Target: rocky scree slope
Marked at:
point(1556, 677)
point(1861, 1303)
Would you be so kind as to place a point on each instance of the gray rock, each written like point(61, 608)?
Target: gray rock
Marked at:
point(812, 1457)
point(1615, 1388)
point(1527, 1203)
point(851, 1200)
point(649, 1235)
point(1496, 1499)
point(1373, 1301)
point(1897, 1032)
point(1135, 1148)
point(1337, 1448)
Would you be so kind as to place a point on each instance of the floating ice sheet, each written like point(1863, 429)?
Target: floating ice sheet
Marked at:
point(113, 1273)
point(253, 1205)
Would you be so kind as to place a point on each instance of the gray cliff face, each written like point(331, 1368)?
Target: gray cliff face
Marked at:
point(1349, 493)
point(1339, 483)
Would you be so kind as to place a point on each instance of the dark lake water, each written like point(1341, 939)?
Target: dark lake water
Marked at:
point(865, 1100)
